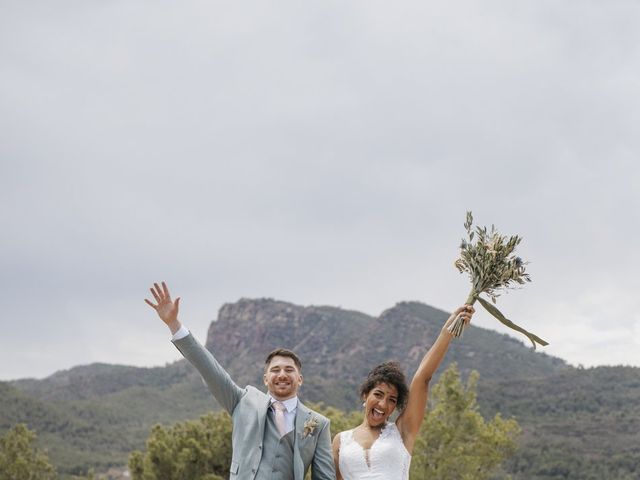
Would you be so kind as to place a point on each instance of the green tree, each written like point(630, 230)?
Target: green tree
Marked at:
point(455, 442)
point(192, 450)
point(20, 460)
point(340, 420)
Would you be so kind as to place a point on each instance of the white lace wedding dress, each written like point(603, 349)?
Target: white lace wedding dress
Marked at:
point(387, 459)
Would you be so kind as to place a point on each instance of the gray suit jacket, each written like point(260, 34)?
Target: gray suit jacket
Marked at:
point(248, 408)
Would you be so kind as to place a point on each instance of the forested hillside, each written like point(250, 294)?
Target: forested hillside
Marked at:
point(577, 423)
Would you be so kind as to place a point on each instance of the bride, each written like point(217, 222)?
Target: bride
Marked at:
point(381, 450)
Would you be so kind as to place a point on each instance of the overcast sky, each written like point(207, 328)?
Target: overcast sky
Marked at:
point(322, 154)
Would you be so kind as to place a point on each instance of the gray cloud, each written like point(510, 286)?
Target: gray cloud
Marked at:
point(319, 154)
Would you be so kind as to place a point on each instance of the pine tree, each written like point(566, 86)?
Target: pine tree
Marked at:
point(20, 460)
point(192, 450)
point(455, 441)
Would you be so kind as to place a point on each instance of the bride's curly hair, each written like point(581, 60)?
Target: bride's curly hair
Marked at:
point(391, 374)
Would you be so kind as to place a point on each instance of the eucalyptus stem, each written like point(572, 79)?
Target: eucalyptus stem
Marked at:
point(458, 325)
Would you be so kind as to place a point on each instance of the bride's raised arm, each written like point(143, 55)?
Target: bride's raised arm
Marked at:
point(411, 418)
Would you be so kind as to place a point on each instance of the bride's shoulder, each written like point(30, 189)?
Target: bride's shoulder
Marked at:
point(391, 430)
point(345, 436)
point(347, 433)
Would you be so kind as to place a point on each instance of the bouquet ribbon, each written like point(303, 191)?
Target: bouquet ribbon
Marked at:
point(493, 310)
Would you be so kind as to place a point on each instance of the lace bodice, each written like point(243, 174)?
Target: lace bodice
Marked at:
point(387, 459)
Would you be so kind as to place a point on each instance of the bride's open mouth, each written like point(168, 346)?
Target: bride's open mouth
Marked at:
point(377, 414)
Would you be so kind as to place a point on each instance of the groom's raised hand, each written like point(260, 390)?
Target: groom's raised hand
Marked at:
point(166, 309)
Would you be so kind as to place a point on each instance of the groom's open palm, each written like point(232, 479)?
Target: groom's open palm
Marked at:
point(166, 308)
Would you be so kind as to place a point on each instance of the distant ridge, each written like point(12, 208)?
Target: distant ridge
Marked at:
point(575, 421)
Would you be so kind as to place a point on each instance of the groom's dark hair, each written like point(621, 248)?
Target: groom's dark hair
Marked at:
point(283, 352)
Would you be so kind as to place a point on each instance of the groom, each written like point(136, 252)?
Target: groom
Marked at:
point(275, 437)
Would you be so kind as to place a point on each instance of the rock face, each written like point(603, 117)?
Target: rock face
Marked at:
point(338, 347)
point(325, 338)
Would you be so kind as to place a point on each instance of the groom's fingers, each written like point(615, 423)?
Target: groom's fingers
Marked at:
point(159, 291)
point(152, 305)
point(155, 295)
point(166, 291)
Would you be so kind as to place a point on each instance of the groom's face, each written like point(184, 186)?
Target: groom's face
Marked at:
point(282, 378)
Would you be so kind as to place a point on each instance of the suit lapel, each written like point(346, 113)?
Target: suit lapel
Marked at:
point(302, 415)
point(262, 416)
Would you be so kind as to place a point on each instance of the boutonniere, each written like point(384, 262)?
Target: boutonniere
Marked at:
point(309, 426)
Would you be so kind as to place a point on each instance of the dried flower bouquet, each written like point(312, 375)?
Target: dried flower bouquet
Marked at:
point(489, 260)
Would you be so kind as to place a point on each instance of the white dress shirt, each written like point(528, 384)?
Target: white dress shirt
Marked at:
point(181, 333)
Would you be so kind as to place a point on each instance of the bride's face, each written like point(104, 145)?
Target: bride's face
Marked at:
point(380, 403)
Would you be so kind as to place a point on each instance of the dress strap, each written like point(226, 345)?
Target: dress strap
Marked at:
point(346, 437)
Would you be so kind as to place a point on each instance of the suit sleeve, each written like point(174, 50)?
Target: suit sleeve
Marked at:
point(220, 384)
point(323, 467)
